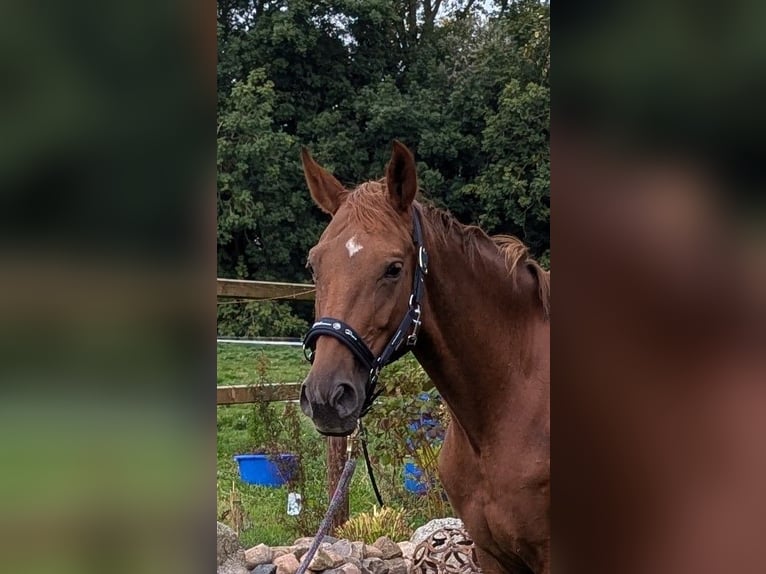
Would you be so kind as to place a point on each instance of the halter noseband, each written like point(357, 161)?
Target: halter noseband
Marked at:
point(397, 346)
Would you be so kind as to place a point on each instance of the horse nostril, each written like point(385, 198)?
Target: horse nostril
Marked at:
point(344, 400)
point(304, 401)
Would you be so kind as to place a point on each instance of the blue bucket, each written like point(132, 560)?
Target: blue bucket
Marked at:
point(267, 470)
point(414, 481)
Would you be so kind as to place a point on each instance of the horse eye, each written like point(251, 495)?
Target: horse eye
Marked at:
point(393, 270)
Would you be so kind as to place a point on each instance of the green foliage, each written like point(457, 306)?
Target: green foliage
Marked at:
point(268, 429)
point(393, 441)
point(259, 319)
point(514, 189)
point(264, 226)
point(369, 526)
point(464, 84)
point(242, 429)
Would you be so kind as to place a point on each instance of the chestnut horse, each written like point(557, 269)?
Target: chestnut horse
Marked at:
point(484, 341)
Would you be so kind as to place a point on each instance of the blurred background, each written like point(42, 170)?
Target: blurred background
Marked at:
point(107, 227)
point(657, 241)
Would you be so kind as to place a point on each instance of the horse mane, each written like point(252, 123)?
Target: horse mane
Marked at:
point(370, 207)
point(513, 251)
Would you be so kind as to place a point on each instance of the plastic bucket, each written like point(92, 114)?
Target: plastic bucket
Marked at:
point(266, 470)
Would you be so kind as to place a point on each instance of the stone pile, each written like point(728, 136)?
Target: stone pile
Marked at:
point(334, 556)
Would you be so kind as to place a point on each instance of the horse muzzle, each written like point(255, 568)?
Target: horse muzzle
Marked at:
point(334, 412)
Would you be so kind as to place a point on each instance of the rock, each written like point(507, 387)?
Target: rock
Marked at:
point(375, 565)
point(330, 539)
point(397, 566)
point(287, 564)
point(355, 561)
point(301, 545)
point(349, 568)
point(407, 547)
point(264, 569)
point(388, 548)
point(372, 552)
point(307, 540)
point(429, 528)
point(278, 551)
point(258, 555)
point(342, 548)
point(357, 550)
point(229, 551)
point(324, 560)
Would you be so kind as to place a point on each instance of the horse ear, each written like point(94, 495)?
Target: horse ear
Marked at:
point(326, 191)
point(401, 177)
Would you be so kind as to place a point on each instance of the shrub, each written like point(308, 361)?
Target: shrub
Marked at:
point(369, 526)
point(396, 438)
point(259, 319)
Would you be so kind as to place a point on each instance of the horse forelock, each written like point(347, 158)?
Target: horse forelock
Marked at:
point(368, 206)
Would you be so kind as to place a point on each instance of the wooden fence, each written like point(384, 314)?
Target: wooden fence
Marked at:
point(261, 291)
point(285, 391)
point(244, 394)
point(264, 290)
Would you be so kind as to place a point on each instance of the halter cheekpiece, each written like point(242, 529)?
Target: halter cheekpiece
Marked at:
point(406, 334)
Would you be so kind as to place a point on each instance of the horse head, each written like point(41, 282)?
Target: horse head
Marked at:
point(363, 267)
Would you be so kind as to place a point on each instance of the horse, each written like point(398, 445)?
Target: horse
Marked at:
point(477, 318)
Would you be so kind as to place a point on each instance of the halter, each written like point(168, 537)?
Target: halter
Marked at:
point(406, 334)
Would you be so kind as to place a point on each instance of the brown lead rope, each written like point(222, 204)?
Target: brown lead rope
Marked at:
point(341, 491)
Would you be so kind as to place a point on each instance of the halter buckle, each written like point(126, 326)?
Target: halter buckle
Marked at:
point(353, 439)
point(423, 260)
point(412, 338)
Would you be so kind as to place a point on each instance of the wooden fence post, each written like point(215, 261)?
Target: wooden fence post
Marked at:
point(336, 460)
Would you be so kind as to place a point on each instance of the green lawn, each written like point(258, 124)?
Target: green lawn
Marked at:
point(265, 508)
point(237, 363)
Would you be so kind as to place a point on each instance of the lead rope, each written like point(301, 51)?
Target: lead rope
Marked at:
point(341, 491)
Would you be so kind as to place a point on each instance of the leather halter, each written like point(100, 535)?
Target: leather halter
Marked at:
point(406, 334)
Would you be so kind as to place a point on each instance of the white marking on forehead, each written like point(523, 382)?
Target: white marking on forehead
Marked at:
point(353, 247)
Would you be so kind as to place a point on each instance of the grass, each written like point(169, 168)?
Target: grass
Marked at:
point(236, 363)
point(265, 508)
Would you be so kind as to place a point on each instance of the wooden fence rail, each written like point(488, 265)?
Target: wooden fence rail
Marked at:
point(244, 394)
point(264, 290)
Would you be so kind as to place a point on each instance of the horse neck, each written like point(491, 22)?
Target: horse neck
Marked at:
point(481, 342)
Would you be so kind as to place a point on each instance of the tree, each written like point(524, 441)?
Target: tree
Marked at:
point(264, 223)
